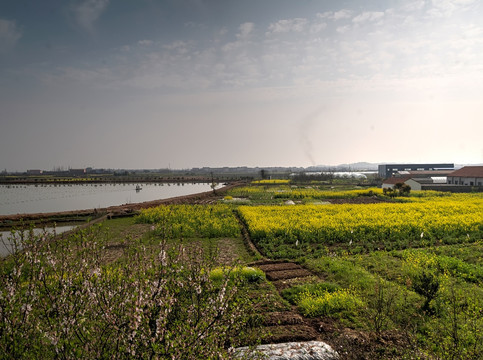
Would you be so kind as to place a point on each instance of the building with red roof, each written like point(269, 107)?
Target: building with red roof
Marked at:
point(468, 175)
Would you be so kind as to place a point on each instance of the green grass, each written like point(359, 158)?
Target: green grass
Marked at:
point(329, 303)
point(247, 273)
point(292, 294)
point(366, 290)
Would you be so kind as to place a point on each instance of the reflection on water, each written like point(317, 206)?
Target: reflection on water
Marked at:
point(40, 198)
point(8, 238)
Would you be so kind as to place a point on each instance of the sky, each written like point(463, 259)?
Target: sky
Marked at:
point(191, 83)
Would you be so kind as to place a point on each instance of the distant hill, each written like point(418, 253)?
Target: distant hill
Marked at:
point(359, 166)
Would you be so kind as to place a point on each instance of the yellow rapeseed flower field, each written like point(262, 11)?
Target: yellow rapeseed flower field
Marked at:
point(175, 221)
point(458, 217)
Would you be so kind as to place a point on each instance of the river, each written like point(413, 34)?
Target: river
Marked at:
point(8, 238)
point(42, 198)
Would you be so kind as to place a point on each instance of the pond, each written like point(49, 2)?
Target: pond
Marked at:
point(8, 238)
point(42, 198)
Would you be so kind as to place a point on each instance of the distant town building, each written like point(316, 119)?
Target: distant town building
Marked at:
point(468, 175)
point(388, 170)
point(419, 183)
point(77, 171)
point(34, 172)
point(392, 181)
point(468, 178)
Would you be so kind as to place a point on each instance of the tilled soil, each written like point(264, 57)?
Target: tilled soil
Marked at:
point(284, 271)
point(286, 326)
point(360, 200)
point(290, 326)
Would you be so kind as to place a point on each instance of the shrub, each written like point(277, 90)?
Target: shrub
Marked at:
point(426, 283)
point(327, 303)
point(252, 274)
point(58, 300)
point(456, 332)
point(293, 293)
point(245, 273)
point(381, 304)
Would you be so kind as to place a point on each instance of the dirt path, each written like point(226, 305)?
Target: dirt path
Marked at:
point(285, 326)
point(290, 326)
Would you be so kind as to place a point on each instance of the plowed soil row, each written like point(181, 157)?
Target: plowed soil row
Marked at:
point(286, 326)
point(290, 326)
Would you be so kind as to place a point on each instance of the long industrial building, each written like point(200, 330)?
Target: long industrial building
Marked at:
point(388, 170)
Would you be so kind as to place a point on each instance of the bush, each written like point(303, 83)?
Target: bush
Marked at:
point(245, 273)
point(59, 300)
point(426, 283)
point(328, 303)
point(293, 293)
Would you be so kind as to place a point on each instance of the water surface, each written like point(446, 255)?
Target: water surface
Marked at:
point(41, 198)
point(8, 238)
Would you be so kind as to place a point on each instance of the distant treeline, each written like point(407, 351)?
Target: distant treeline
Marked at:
point(304, 177)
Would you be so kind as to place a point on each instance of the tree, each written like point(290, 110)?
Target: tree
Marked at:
point(213, 184)
point(426, 283)
point(263, 174)
point(402, 189)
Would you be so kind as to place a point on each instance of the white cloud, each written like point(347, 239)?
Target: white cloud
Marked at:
point(179, 46)
point(413, 6)
point(245, 30)
point(145, 42)
point(342, 14)
point(368, 16)
point(318, 27)
point(324, 15)
point(446, 8)
point(299, 52)
point(337, 15)
point(9, 33)
point(343, 29)
point(88, 12)
point(288, 25)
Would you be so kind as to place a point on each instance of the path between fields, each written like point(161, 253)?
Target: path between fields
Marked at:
point(289, 326)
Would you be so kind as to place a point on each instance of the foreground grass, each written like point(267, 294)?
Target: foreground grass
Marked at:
point(411, 266)
point(421, 285)
point(226, 250)
point(120, 291)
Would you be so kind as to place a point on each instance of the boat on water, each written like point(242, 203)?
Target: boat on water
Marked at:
point(138, 188)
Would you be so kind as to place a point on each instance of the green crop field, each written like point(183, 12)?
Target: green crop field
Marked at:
point(403, 273)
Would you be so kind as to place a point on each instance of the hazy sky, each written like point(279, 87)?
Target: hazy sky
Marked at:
point(191, 83)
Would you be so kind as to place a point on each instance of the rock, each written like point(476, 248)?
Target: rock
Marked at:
point(289, 202)
point(311, 350)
